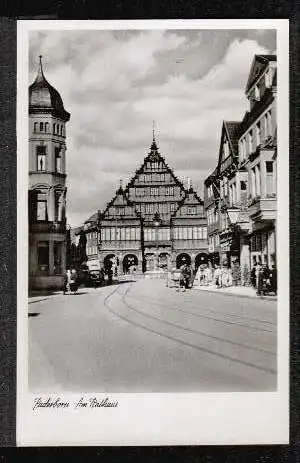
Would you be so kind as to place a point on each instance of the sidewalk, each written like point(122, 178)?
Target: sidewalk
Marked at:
point(243, 291)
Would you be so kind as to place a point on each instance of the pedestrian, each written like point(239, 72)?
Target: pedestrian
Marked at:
point(253, 276)
point(67, 280)
point(259, 279)
point(218, 276)
point(273, 279)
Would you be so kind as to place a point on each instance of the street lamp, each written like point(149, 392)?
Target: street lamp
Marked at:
point(157, 223)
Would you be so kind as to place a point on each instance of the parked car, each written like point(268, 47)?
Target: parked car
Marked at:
point(94, 278)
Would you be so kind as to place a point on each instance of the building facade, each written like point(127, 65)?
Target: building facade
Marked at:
point(240, 195)
point(258, 155)
point(47, 185)
point(154, 223)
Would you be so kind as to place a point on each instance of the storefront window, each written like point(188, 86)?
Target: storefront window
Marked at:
point(43, 257)
point(57, 251)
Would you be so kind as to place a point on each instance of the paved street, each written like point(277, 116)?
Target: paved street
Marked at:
point(144, 337)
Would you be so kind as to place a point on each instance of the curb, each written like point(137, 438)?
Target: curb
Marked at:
point(225, 293)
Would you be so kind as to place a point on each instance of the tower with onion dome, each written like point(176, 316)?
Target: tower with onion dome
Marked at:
point(47, 184)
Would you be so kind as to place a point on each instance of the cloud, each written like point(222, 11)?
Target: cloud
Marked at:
point(115, 84)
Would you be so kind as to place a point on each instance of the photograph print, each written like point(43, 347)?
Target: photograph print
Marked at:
point(152, 211)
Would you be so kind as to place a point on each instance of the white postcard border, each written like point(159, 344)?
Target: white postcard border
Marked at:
point(157, 419)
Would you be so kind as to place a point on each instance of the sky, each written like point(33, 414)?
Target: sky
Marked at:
point(116, 83)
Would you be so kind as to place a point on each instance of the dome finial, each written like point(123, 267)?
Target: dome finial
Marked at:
point(40, 75)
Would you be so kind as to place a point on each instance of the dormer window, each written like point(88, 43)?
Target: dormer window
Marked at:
point(191, 210)
point(257, 92)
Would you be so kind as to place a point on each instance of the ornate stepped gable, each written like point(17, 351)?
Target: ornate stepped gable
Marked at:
point(120, 208)
point(155, 188)
point(190, 206)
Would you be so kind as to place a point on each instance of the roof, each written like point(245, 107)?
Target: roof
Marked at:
point(45, 98)
point(259, 64)
point(233, 128)
point(93, 218)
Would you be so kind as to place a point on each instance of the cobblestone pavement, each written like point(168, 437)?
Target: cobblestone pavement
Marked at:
point(141, 336)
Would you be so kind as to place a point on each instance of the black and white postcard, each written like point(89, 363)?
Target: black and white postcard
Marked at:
point(153, 268)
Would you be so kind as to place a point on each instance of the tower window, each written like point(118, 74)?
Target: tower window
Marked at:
point(41, 158)
point(46, 126)
point(41, 126)
point(35, 127)
point(42, 212)
point(54, 128)
point(58, 159)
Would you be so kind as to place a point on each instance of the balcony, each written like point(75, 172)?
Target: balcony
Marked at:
point(262, 208)
point(47, 227)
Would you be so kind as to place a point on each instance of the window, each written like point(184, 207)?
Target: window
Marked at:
point(41, 126)
point(57, 253)
point(250, 141)
point(46, 126)
point(191, 210)
point(257, 93)
point(258, 134)
point(269, 123)
point(42, 213)
point(58, 159)
point(267, 78)
point(41, 158)
point(54, 128)
point(270, 187)
point(257, 169)
point(35, 127)
point(57, 202)
point(243, 185)
point(43, 256)
point(153, 191)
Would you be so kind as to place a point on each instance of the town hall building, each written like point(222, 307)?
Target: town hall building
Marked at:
point(152, 224)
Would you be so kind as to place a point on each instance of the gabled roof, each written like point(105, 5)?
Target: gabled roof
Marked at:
point(121, 199)
point(190, 199)
point(154, 156)
point(230, 131)
point(232, 128)
point(259, 64)
point(93, 218)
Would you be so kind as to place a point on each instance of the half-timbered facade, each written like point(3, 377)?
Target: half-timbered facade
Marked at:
point(154, 222)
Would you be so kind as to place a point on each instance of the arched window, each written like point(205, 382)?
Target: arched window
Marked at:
point(41, 126)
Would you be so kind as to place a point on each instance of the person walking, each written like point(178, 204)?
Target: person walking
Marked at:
point(259, 279)
point(253, 276)
point(273, 279)
point(67, 282)
point(218, 276)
